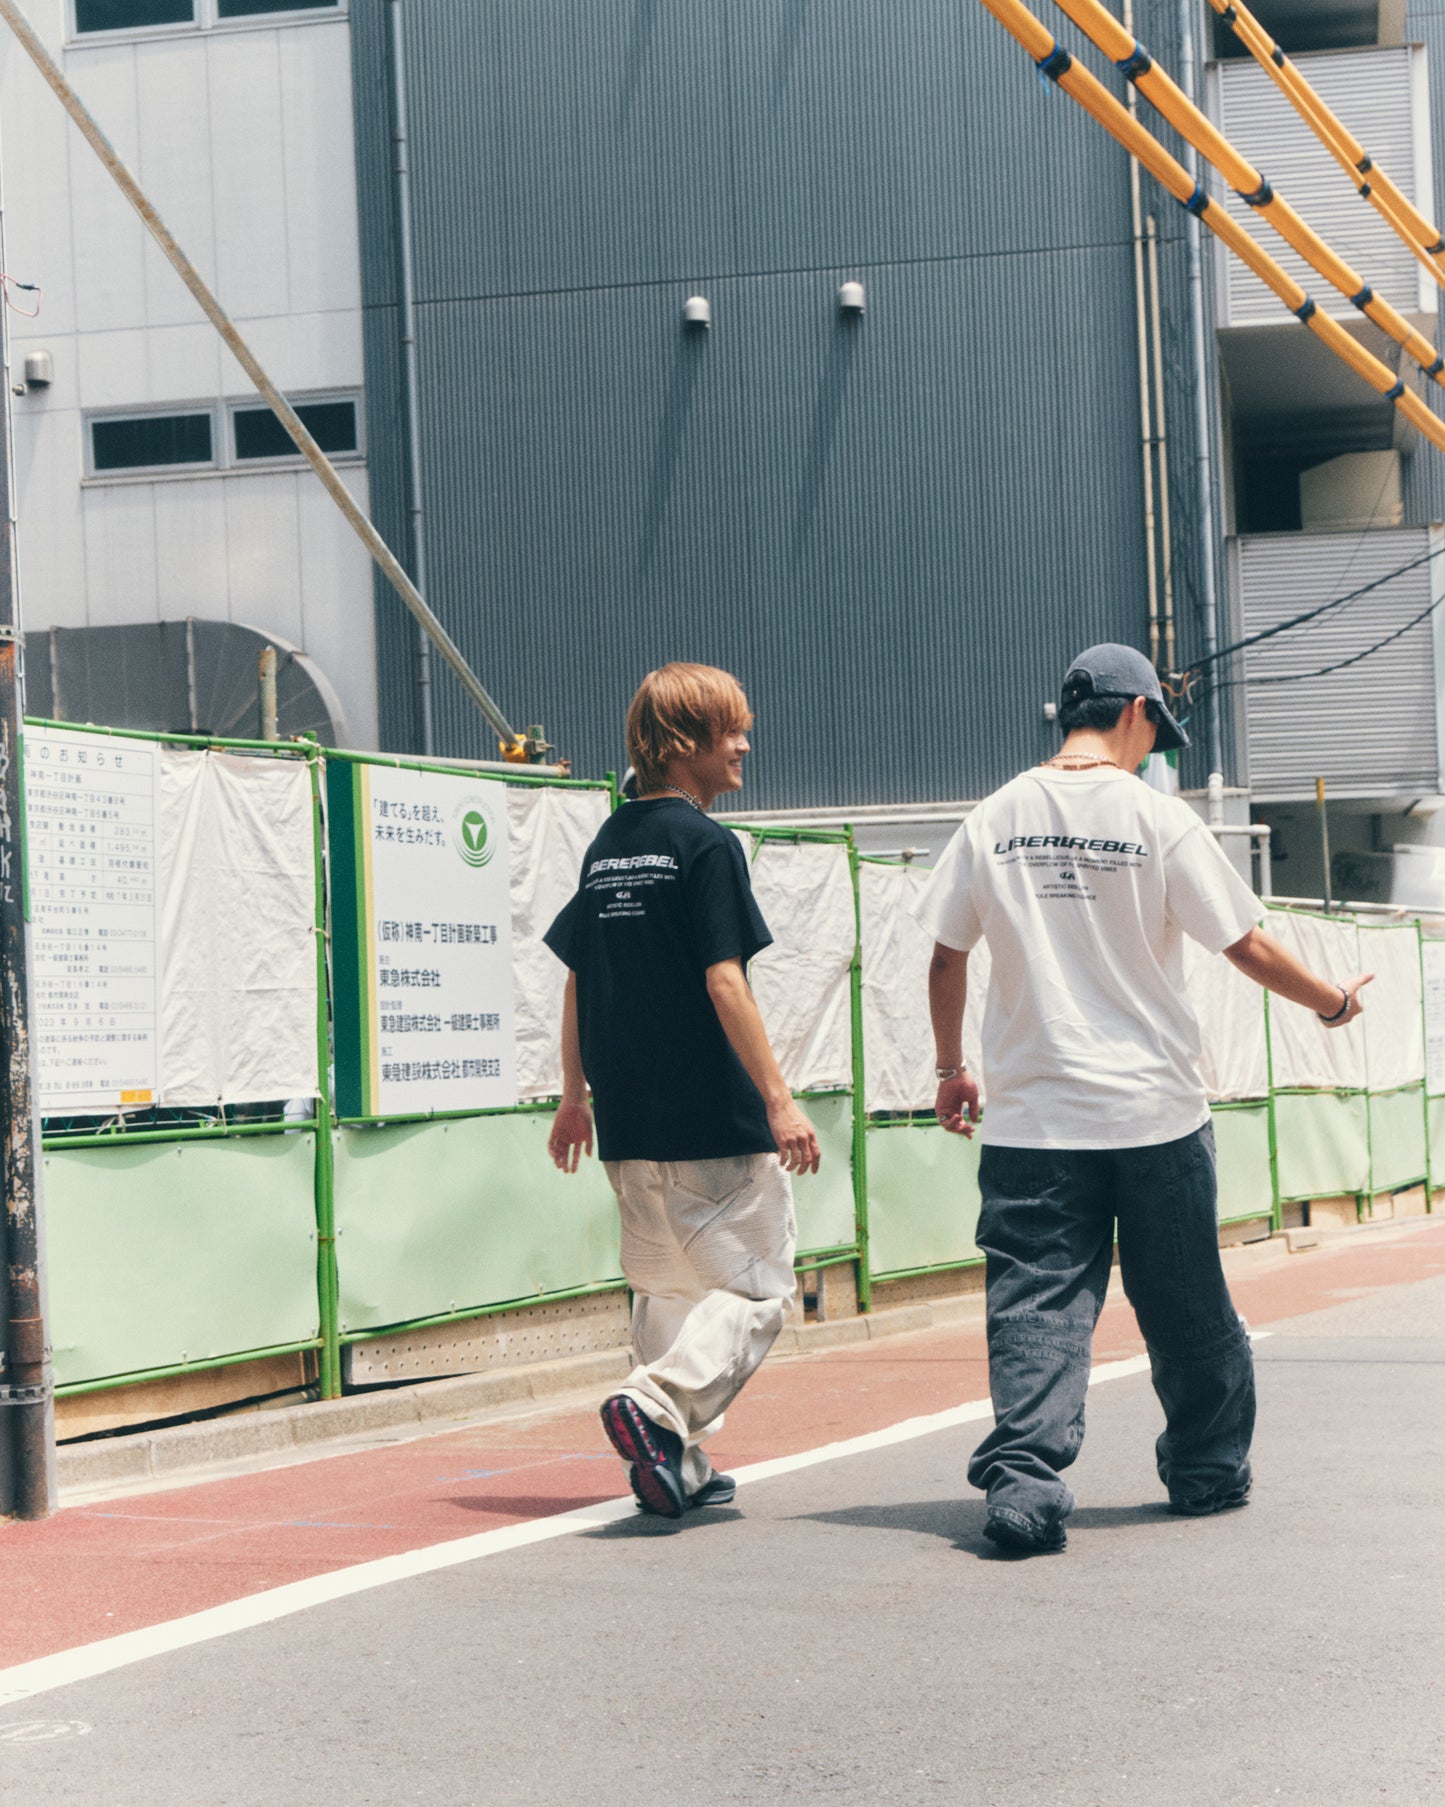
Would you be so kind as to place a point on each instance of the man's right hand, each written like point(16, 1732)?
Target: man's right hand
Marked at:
point(571, 1133)
point(1352, 989)
point(795, 1136)
point(956, 1105)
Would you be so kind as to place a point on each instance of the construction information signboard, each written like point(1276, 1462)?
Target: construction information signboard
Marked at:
point(421, 941)
point(94, 886)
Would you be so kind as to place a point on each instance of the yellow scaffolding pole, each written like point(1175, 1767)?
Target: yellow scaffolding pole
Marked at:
point(1371, 182)
point(1135, 63)
point(1100, 105)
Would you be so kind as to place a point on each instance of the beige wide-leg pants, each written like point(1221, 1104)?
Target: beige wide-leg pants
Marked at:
point(707, 1248)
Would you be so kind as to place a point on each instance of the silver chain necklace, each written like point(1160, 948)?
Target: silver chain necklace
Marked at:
point(686, 796)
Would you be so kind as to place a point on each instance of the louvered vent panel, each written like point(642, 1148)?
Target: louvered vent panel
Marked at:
point(1370, 728)
point(1371, 92)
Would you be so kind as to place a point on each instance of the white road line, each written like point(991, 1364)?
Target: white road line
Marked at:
point(25, 1680)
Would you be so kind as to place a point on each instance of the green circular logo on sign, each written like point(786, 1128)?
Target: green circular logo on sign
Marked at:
point(472, 834)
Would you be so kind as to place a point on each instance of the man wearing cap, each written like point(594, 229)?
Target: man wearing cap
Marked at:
point(1084, 882)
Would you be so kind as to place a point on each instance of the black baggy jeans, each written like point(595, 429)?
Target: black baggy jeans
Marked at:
point(1047, 1228)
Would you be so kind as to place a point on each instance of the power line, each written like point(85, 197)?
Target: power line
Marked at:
point(1282, 627)
point(1294, 677)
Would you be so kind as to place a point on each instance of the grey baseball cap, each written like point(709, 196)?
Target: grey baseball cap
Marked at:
point(1122, 671)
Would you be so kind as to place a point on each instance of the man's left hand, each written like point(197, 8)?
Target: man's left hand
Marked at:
point(956, 1105)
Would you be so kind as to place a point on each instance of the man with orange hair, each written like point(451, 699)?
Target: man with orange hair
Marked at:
point(696, 1125)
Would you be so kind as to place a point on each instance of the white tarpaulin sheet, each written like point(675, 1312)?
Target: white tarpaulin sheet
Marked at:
point(1234, 1056)
point(1393, 1023)
point(238, 934)
point(805, 892)
point(897, 1034)
point(1306, 1054)
point(550, 829)
point(1434, 958)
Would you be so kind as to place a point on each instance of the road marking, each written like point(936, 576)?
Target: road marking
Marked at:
point(39, 1731)
point(42, 1674)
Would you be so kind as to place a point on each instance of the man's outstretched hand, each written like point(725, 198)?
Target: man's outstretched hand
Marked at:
point(1352, 989)
point(796, 1138)
point(571, 1133)
point(956, 1105)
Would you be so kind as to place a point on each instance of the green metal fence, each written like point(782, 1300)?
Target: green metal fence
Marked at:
point(192, 1240)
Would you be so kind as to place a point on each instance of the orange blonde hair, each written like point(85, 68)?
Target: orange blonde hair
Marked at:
point(678, 711)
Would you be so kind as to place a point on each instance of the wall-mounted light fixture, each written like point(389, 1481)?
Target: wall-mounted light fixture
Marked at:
point(1051, 712)
point(851, 298)
point(697, 311)
point(39, 369)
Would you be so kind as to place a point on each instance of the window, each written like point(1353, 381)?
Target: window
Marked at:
point(259, 434)
point(245, 9)
point(150, 441)
point(140, 15)
point(130, 15)
point(220, 436)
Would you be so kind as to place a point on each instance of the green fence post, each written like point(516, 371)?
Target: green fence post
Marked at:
point(860, 1101)
point(327, 1286)
point(1276, 1211)
point(1425, 1082)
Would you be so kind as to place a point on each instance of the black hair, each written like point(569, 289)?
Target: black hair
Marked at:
point(1101, 713)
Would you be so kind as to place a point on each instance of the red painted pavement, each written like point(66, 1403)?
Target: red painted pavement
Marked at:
point(94, 1571)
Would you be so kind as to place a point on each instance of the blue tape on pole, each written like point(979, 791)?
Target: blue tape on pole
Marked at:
point(1056, 63)
point(1435, 368)
point(1196, 203)
point(1261, 197)
point(1276, 56)
point(1363, 299)
point(1365, 165)
point(1306, 310)
point(1137, 63)
point(1393, 395)
point(1435, 249)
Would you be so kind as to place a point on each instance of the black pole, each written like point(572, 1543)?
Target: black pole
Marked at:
point(26, 1388)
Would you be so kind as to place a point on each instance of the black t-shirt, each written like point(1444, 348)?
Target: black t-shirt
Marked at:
point(664, 895)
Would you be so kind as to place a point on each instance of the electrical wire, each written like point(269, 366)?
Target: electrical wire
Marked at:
point(1282, 627)
point(1294, 677)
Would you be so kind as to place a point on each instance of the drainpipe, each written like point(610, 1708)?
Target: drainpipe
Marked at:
point(401, 169)
point(1204, 463)
point(1166, 538)
point(1141, 332)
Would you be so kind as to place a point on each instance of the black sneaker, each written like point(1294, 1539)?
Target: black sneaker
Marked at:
point(716, 1490)
point(1207, 1504)
point(1021, 1539)
point(653, 1453)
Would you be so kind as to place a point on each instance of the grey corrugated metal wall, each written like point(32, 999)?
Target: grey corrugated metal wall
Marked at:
point(895, 530)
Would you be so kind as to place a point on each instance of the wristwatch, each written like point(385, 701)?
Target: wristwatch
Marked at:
point(949, 1072)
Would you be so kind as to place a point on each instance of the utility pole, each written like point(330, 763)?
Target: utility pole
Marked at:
point(27, 1403)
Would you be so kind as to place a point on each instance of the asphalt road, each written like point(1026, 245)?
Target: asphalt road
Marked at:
point(847, 1636)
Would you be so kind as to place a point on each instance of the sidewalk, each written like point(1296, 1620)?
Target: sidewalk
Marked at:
point(104, 1567)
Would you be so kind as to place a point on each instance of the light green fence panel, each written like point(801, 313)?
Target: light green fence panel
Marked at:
point(824, 1200)
point(450, 1216)
point(1241, 1137)
point(922, 1198)
point(1397, 1139)
point(179, 1252)
point(1323, 1142)
point(1437, 1140)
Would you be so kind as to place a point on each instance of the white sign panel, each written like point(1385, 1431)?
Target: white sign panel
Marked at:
point(92, 868)
point(1434, 1016)
point(443, 1017)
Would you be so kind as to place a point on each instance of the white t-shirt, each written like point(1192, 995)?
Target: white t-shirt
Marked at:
point(1084, 885)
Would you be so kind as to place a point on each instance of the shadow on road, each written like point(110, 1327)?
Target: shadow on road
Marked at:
point(961, 1522)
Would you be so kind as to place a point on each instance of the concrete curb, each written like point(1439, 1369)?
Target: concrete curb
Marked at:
point(184, 1449)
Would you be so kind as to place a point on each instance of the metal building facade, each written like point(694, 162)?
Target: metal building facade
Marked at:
point(895, 529)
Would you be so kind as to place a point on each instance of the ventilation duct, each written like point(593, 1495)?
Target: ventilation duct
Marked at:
point(176, 677)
